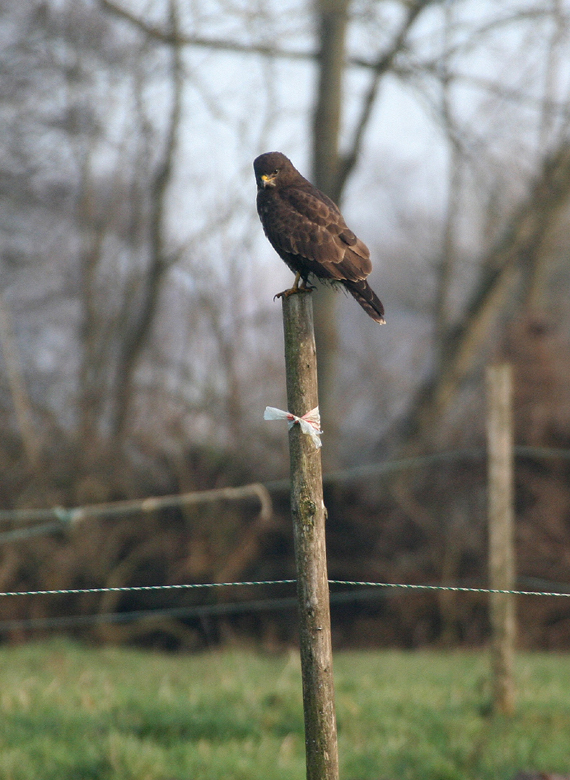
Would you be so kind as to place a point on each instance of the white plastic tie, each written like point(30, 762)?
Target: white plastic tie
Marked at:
point(310, 422)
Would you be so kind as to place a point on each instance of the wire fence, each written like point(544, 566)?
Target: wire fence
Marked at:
point(373, 591)
point(250, 583)
point(56, 519)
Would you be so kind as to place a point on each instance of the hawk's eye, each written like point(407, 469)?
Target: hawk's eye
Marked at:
point(276, 171)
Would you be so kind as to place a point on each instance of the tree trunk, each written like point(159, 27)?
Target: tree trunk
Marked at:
point(332, 21)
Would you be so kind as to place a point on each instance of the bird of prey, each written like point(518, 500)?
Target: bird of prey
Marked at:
point(308, 232)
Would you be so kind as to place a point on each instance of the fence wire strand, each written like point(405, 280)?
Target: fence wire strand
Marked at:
point(251, 583)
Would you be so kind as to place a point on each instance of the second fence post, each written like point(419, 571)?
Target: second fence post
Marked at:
point(501, 533)
point(309, 514)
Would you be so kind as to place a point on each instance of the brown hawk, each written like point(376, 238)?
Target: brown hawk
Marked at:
point(307, 231)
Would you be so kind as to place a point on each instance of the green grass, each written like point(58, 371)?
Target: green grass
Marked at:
point(70, 713)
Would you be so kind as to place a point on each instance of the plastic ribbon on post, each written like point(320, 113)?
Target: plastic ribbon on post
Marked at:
point(310, 422)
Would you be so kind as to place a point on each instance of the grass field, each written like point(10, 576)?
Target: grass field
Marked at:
point(70, 713)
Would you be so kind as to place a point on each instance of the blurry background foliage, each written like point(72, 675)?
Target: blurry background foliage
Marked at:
point(139, 340)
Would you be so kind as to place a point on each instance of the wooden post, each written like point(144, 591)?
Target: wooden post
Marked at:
point(308, 512)
point(501, 533)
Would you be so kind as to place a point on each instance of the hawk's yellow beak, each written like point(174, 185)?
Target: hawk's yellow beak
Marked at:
point(268, 179)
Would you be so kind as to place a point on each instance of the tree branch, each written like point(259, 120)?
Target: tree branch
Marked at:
point(379, 68)
point(176, 38)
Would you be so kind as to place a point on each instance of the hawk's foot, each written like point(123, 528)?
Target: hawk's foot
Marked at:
point(286, 293)
point(304, 288)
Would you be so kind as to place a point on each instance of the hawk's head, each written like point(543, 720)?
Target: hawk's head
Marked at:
point(273, 169)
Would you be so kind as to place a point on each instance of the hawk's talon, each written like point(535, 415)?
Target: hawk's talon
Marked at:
point(296, 289)
point(293, 291)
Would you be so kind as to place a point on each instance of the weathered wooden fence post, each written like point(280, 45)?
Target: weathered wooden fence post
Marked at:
point(501, 533)
point(308, 512)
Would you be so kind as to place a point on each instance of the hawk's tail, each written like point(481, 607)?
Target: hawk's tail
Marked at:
point(367, 298)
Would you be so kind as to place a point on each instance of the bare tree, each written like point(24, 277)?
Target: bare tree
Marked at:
point(332, 167)
point(502, 288)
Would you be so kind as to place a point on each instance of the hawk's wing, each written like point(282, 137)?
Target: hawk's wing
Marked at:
point(300, 222)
